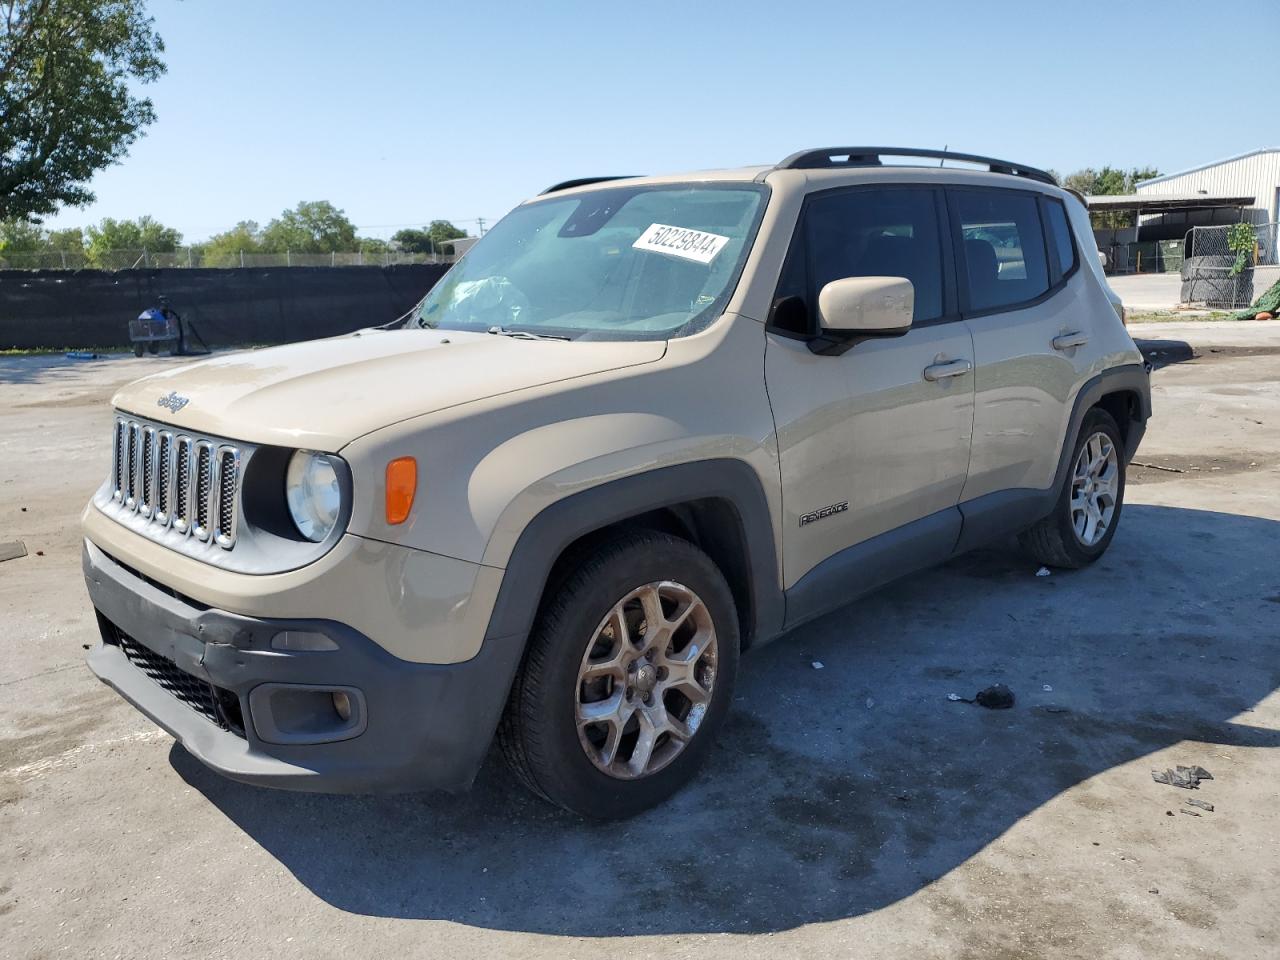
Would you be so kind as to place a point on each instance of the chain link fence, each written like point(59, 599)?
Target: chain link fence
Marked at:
point(1212, 271)
point(1145, 256)
point(193, 257)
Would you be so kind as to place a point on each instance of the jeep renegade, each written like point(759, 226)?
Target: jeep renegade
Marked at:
point(645, 424)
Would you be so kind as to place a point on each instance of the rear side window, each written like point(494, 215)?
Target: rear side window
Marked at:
point(1002, 252)
point(1064, 250)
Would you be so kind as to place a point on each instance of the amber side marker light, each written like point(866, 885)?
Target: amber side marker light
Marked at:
point(402, 484)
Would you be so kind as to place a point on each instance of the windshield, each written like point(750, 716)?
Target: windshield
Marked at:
point(627, 263)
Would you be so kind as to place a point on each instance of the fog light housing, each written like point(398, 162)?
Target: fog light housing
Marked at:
point(342, 705)
point(301, 713)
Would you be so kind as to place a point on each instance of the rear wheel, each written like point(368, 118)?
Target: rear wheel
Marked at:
point(1085, 518)
point(139, 349)
point(628, 675)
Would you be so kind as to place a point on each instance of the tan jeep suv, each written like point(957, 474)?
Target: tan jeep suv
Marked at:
point(644, 425)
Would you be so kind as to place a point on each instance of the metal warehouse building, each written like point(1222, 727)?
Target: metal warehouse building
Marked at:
point(1254, 174)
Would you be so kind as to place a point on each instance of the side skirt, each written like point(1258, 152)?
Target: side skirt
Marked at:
point(857, 570)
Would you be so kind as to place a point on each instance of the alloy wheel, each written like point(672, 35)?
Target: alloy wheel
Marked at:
point(646, 680)
point(1095, 486)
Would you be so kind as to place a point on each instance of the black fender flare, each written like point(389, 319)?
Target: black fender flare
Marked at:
point(1130, 378)
point(546, 537)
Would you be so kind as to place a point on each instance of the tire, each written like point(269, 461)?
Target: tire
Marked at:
point(139, 349)
point(574, 635)
point(1057, 541)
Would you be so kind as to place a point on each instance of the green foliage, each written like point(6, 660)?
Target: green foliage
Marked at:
point(69, 240)
point(19, 236)
point(1241, 240)
point(313, 226)
point(414, 241)
point(68, 107)
point(224, 249)
point(430, 239)
point(1109, 181)
point(145, 233)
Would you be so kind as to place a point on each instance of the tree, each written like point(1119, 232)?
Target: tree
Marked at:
point(68, 106)
point(430, 239)
point(68, 240)
point(19, 236)
point(224, 249)
point(314, 226)
point(112, 236)
point(412, 240)
point(1108, 181)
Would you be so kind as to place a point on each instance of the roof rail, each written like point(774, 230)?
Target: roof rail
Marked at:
point(870, 157)
point(582, 182)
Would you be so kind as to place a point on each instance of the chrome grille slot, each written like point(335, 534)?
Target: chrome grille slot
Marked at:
point(131, 489)
point(175, 485)
point(202, 490)
point(182, 485)
point(164, 478)
point(119, 443)
point(228, 477)
point(147, 473)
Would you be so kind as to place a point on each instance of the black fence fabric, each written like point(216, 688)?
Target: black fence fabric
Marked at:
point(92, 308)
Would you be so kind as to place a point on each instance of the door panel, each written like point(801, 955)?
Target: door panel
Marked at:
point(1022, 297)
point(867, 429)
point(1024, 389)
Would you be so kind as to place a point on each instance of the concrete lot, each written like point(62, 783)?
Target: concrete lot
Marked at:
point(1163, 291)
point(850, 812)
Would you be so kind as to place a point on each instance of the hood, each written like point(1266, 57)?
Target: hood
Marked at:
point(322, 394)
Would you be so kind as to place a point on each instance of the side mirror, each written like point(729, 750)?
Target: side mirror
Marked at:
point(855, 308)
point(867, 306)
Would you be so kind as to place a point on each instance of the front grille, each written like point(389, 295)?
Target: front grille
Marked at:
point(215, 704)
point(190, 485)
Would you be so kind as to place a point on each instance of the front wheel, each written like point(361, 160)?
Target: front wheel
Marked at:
point(628, 676)
point(1085, 518)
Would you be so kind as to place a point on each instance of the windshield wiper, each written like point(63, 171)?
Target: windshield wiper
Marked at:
point(523, 334)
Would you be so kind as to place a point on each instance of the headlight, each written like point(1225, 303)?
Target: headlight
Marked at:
point(314, 496)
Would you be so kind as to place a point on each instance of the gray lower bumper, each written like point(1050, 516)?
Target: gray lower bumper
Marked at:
point(424, 726)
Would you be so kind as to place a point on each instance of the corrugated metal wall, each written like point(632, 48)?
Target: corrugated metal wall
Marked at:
point(1257, 174)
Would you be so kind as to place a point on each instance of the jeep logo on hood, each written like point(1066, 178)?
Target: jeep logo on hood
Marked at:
point(173, 401)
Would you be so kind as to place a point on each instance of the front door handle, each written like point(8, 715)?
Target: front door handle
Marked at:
point(952, 368)
point(1069, 340)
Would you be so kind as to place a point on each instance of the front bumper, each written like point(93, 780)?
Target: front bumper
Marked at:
point(194, 671)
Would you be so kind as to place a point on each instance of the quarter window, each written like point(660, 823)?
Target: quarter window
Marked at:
point(1003, 251)
point(1060, 233)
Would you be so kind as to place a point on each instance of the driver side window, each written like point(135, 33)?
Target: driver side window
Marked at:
point(877, 232)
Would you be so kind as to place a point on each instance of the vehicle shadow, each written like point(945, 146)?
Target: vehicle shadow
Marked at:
point(838, 791)
point(1162, 353)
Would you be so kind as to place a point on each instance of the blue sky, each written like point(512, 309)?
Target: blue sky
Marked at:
point(400, 113)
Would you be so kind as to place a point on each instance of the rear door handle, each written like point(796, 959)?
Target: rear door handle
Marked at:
point(952, 368)
point(1069, 340)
